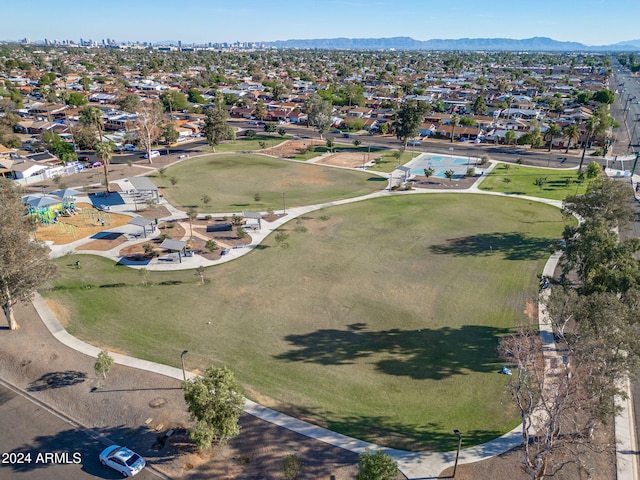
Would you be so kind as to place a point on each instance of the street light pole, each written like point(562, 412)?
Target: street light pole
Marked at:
point(184, 375)
point(284, 206)
point(455, 465)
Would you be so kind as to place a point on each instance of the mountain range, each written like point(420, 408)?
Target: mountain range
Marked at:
point(540, 44)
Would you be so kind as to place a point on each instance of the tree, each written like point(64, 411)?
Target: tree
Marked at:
point(216, 129)
point(148, 125)
point(291, 467)
point(572, 132)
point(552, 132)
point(200, 272)
point(606, 199)
point(593, 250)
point(260, 110)
point(129, 103)
point(192, 214)
point(319, 113)
point(76, 99)
point(540, 396)
point(449, 174)
point(211, 245)
point(170, 134)
point(173, 101)
point(468, 121)
point(509, 137)
point(329, 144)
point(604, 96)
point(103, 364)
point(540, 182)
point(270, 127)
point(215, 402)
point(104, 151)
point(195, 96)
point(24, 263)
point(592, 125)
point(282, 131)
point(408, 121)
point(593, 170)
point(376, 466)
point(479, 106)
point(455, 120)
point(91, 117)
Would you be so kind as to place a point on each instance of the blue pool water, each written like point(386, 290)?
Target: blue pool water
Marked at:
point(440, 163)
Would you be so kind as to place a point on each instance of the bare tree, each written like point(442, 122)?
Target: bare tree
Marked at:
point(148, 125)
point(542, 396)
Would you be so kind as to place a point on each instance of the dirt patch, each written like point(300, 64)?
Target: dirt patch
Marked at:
point(346, 159)
point(290, 148)
point(531, 310)
point(105, 243)
point(74, 227)
point(60, 311)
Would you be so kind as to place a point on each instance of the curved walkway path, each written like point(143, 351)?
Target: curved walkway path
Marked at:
point(414, 465)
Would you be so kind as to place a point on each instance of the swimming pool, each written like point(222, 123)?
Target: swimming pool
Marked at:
point(440, 164)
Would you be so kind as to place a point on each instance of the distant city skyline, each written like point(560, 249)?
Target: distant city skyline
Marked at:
point(591, 22)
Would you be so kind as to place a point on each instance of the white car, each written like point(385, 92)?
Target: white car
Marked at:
point(154, 154)
point(413, 143)
point(125, 461)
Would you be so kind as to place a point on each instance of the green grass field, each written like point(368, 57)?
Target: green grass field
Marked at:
point(379, 321)
point(232, 180)
point(246, 144)
point(521, 181)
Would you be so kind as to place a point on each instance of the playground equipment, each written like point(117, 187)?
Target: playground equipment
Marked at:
point(96, 217)
point(67, 228)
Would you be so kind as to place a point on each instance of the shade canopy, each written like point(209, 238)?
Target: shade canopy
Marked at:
point(40, 201)
point(66, 193)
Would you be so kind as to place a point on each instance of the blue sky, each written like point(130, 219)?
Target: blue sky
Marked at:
point(592, 22)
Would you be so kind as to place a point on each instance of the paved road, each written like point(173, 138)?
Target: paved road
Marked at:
point(28, 428)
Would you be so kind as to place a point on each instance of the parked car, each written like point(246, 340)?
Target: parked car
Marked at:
point(96, 164)
point(125, 461)
point(154, 154)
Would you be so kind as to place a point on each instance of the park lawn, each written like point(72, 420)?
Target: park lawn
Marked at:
point(232, 181)
point(247, 144)
point(337, 148)
point(522, 181)
point(380, 320)
point(387, 161)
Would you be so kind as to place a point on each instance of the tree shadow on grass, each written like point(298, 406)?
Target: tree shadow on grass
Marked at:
point(378, 429)
point(57, 380)
point(422, 354)
point(510, 246)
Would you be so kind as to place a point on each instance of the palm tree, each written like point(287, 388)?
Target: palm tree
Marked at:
point(91, 116)
point(552, 132)
point(572, 132)
point(455, 121)
point(104, 151)
point(591, 125)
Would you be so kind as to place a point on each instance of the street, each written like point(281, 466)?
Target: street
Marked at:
point(33, 435)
